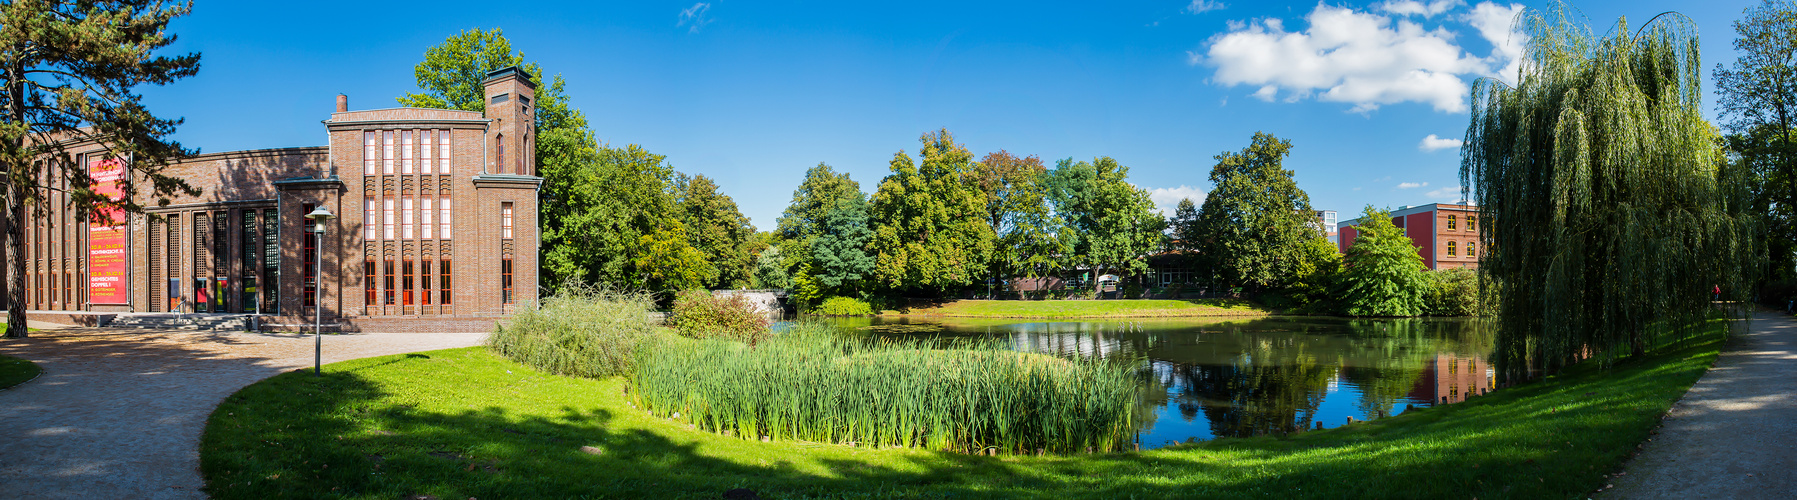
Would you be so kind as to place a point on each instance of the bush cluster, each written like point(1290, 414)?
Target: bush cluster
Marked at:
point(1453, 292)
point(843, 306)
point(583, 331)
point(699, 314)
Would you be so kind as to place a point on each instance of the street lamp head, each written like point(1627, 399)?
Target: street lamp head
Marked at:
point(319, 216)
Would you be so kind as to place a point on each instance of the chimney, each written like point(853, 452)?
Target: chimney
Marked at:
point(342, 103)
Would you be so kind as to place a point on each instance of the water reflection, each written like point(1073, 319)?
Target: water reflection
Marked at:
point(1210, 378)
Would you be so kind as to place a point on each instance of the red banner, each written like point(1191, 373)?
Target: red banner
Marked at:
point(107, 257)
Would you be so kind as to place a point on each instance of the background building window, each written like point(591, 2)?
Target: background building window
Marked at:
point(443, 285)
point(309, 260)
point(368, 282)
point(424, 151)
point(1450, 249)
point(1451, 220)
point(424, 284)
point(426, 211)
point(387, 218)
point(443, 210)
point(368, 218)
point(1472, 223)
point(271, 261)
point(443, 152)
point(387, 284)
point(499, 158)
point(368, 153)
point(387, 152)
point(405, 152)
point(406, 218)
point(1470, 252)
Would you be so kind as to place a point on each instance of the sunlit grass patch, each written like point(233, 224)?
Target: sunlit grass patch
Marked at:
point(15, 371)
point(467, 423)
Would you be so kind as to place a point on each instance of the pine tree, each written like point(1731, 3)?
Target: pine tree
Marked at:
point(70, 69)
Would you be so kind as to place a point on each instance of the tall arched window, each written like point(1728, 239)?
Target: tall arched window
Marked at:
point(499, 158)
point(1450, 249)
point(1451, 225)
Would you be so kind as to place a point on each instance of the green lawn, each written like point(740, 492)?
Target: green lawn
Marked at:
point(15, 371)
point(465, 423)
point(1093, 308)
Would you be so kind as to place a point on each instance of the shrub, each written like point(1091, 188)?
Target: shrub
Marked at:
point(583, 331)
point(843, 306)
point(700, 314)
point(810, 384)
point(1453, 292)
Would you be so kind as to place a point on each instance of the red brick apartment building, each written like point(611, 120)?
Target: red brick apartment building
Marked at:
point(1447, 236)
point(436, 227)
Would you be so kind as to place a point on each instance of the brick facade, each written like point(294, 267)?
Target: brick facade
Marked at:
point(243, 245)
point(1446, 236)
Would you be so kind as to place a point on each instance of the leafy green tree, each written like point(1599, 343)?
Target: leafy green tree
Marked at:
point(770, 269)
point(930, 229)
point(822, 191)
point(1384, 275)
point(1184, 227)
point(839, 251)
point(1256, 222)
point(618, 221)
point(1596, 177)
point(70, 70)
point(1758, 99)
point(1029, 235)
point(1115, 221)
point(716, 228)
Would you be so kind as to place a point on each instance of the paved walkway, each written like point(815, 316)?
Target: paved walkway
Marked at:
point(118, 413)
point(1734, 434)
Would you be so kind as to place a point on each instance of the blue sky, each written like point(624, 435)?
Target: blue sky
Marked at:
point(752, 94)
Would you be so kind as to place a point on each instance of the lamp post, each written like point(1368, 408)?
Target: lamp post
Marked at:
point(318, 216)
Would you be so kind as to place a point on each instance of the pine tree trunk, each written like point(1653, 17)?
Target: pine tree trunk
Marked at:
point(15, 263)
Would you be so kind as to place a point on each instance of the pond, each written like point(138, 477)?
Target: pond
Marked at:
point(1206, 378)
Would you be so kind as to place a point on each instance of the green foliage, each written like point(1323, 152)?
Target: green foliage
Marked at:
point(929, 218)
point(822, 191)
point(811, 385)
point(582, 330)
point(1596, 176)
point(1030, 237)
point(770, 270)
point(717, 229)
point(615, 219)
point(1757, 97)
point(843, 306)
point(1315, 280)
point(701, 315)
point(72, 71)
point(1256, 223)
point(1454, 292)
point(839, 250)
point(451, 76)
point(1384, 276)
point(1186, 233)
point(1112, 223)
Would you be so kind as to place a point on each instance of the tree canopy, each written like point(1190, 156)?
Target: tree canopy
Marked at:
point(1383, 274)
point(1030, 239)
point(1596, 177)
point(71, 73)
point(1757, 97)
point(716, 228)
point(1256, 222)
point(1116, 223)
point(930, 220)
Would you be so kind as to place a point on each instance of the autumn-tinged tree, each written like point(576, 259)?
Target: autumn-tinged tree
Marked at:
point(1256, 222)
point(1113, 223)
point(930, 226)
point(1596, 177)
point(1030, 239)
point(71, 71)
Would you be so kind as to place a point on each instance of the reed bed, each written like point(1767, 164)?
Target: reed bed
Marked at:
point(811, 385)
point(583, 330)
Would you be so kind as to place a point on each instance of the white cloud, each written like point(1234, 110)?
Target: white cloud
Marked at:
point(1202, 6)
point(1411, 185)
point(1499, 25)
point(1167, 199)
point(1417, 8)
point(1360, 57)
point(1433, 143)
point(1445, 194)
point(695, 17)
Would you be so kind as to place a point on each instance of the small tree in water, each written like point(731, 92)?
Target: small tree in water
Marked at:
point(1606, 221)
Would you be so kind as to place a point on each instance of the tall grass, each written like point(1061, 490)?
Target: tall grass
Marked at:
point(584, 330)
point(808, 384)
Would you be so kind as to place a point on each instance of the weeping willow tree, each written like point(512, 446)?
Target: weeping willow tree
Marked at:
point(1608, 222)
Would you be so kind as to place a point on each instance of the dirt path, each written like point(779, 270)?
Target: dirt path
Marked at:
point(118, 413)
point(1735, 433)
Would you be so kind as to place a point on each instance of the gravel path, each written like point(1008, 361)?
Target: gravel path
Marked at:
point(118, 413)
point(1734, 434)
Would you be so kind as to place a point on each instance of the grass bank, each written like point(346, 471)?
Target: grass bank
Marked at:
point(466, 423)
point(15, 371)
point(1143, 308)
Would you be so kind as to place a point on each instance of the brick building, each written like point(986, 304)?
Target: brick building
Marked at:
point(1446, 236)
point(436, 227)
